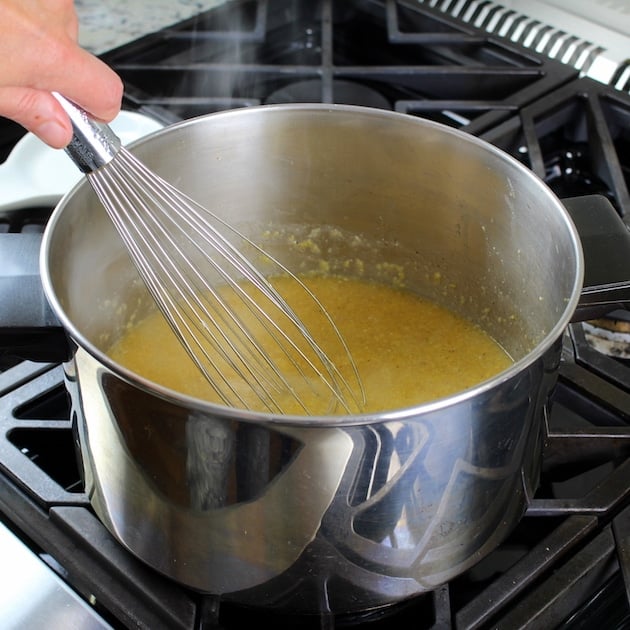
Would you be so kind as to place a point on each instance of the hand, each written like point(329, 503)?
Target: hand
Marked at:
point(39, 54)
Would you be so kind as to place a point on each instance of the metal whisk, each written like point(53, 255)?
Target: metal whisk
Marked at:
point(249, 343)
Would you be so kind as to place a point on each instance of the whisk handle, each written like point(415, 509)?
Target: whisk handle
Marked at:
point(93, 143)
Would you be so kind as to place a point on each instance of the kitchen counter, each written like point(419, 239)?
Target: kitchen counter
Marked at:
point(107, 24)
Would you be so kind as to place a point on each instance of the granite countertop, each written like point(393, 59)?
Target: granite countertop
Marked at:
point(107, 24)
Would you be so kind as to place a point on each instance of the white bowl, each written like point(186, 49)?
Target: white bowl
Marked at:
point(37, 175)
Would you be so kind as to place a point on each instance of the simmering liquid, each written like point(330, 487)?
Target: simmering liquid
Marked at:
point(407, 350)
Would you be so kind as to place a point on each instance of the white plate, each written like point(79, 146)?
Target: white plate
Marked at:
point(34, 174)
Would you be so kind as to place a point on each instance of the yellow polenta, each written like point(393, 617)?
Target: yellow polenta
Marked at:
point(407, 350)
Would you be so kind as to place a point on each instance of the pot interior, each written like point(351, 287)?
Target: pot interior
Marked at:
point(345, 190)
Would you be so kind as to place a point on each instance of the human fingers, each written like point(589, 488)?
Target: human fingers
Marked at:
point(52, 61)
point(38, 112)
point(91, 84)
point(73, 72)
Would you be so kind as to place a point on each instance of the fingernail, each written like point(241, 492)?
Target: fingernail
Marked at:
point(52, 133)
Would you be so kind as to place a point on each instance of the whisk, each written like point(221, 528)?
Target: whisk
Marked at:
point(245, 338)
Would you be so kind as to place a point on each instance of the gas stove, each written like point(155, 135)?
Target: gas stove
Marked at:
point(567, 564)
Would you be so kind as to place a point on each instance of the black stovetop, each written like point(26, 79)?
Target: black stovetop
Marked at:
point(567, 565)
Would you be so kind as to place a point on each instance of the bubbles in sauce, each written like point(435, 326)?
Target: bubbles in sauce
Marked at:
point(407, 350)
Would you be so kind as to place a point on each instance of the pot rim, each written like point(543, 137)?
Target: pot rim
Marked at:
point(345, 420)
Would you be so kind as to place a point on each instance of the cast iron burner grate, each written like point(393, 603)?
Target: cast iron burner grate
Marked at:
point(395, 55)
point(576, 139)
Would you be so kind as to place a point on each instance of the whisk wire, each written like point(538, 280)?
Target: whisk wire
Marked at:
point(160, 227)
point(196, 218)
point(260, 376)
point(123, 204)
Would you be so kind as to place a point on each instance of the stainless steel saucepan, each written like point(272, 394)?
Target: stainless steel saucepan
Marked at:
point(341, 513)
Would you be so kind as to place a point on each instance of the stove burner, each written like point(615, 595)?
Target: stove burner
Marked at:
point(568, 170)
point(343, 92)
point(576, 139)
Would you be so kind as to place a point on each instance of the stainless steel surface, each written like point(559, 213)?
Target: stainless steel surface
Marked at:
point(93, 144)
point(381, 506)
point(36, 175)
point(33, 596)
point(591, 35)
